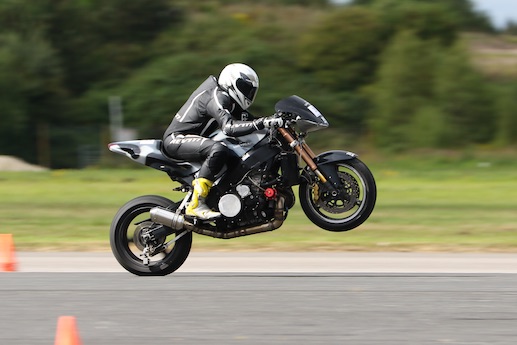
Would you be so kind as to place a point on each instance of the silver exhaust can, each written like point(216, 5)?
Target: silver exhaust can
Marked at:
point(167, 218)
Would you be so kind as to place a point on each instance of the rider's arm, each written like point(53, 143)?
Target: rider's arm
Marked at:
point(247, 116)
point(219, 107)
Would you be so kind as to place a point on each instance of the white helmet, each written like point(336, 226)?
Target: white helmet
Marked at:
point(241, 82)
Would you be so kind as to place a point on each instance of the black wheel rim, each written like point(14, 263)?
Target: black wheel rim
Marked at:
point(130, 237)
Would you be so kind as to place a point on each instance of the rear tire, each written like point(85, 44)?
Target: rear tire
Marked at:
point(128, 224)
point(336, 214)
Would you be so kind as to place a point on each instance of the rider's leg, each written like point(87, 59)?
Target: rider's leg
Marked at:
point(197, 206)
point(197, 148)
point(202, 185)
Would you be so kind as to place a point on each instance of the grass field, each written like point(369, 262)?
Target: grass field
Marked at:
point(422, 206)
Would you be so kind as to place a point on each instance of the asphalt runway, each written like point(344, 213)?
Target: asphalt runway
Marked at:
point(191, 307)
point(282, 262)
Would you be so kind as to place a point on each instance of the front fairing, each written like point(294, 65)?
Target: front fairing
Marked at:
point(306, 117)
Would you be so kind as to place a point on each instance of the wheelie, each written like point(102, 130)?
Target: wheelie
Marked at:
point(244, 185)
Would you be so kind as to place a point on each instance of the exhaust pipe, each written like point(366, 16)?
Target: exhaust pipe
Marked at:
point(270, 226)
point(165, 217)
point(178, 222)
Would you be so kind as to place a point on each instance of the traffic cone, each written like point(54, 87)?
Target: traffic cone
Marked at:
point(7, 259)
point(66, 332)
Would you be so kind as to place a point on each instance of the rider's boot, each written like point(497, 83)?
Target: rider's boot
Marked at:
point(197, 206)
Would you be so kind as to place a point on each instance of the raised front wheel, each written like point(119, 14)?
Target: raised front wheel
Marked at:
point(345, 210)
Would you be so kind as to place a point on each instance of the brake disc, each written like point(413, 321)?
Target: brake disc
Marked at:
point(338, 205)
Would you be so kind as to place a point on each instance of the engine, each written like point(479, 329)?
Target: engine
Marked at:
point(248, 203)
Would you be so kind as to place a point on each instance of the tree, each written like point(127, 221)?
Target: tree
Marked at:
point(404, 85)
point(14, 117)
point(510, 27)
point(31, 91)
point(428, 128)
point(342, 48)
point(103, 40)
point(507, 116)
point(428, 20)
point(463, 96)
point(462, 12)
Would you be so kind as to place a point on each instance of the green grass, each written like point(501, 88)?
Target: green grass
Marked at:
point(426, 205)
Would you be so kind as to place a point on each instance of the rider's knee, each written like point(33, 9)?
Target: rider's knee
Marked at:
point(219, 151)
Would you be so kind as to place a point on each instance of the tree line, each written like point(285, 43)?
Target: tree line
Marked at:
point(391, 73)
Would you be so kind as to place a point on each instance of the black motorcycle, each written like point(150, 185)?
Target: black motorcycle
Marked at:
point(150, 235)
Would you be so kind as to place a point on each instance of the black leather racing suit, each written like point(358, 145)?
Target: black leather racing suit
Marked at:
point(207, 109)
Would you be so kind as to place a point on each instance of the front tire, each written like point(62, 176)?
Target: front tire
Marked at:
point(341, 214)
point(126, 242)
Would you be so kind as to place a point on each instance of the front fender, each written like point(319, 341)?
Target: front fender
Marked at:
point(333, 156)
point(326, 163)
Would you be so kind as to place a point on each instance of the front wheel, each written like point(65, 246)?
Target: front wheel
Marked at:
point(347, 210)
point(128, 239)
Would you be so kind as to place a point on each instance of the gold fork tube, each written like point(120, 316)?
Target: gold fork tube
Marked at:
point(303, 151)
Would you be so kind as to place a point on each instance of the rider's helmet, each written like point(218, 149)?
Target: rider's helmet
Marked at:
point(241, 82)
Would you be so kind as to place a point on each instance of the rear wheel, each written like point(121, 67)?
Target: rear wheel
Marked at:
point(347, 210)
point(129, 238)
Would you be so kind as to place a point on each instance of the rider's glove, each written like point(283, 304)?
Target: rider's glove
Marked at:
point(273, 122)
point(259, 123)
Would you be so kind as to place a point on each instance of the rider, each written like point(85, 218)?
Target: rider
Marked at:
point(216, 103)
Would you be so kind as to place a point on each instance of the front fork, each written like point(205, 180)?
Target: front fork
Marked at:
point(305, 152)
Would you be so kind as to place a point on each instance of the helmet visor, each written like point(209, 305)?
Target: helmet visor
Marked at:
point(246, 88)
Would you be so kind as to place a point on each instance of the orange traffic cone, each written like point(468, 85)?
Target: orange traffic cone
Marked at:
point(67, 333)
point(7, 259)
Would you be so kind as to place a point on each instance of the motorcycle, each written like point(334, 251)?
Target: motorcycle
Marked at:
point(151, 235)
